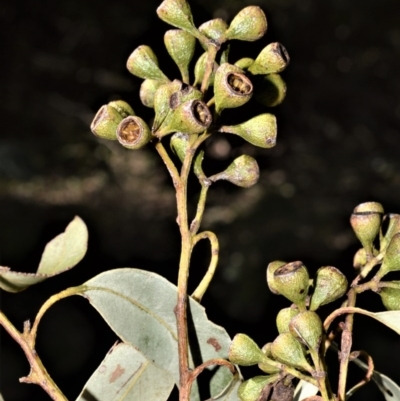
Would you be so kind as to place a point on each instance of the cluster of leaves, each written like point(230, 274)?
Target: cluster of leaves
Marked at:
point(299, 350)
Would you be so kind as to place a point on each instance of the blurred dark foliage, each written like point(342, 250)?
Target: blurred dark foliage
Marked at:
point(338, 145)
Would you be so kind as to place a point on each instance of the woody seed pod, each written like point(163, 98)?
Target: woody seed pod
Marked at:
point(122, 107)
point(271, 268)
point(191, 117)
point(180, 46)
point(366, 221)
point(244, 351)
point(292, 281)
point(231, 87)
point(251, 390)
point(179, 143)
point(214, 29)
point(106, 120)
point(259, 131)
point(307, 327)
point(143, 63)
point(133, 133)
point(148, 90)
point(289, 351)
point(330, 284)
point(249, 24)
point(243, 172)
point(391, 260)
point(392, 229)
point(391, 297)
point(284, 317)
point(270, 90)
point(272, 59)
point(200, 68)
point(178, 14)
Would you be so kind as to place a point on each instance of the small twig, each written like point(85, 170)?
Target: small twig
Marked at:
point(221, 362)
point(205, 282)
point(195, 225)
point(368, 375)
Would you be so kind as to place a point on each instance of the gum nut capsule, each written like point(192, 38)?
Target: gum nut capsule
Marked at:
point(330, 284)
point(391, 297)
point(307, 327)
point(292, 281)
point(393, 228)
point(272, 59)
point(266, 366)
point(249, 24)
point(391, 260)
point(244, 63)
point(214, 29)
point(360, 258)
point(105, 122)
point(244, 351)
point(289, 351)
point(251, 390)
point(366, 221)
point(133, 133)
point(231, 87)
point(143, 63)
point(270, 90)
point(122, 107)
point(178, 14)
point(200, 68)
point(179, 144)
point(271, 268)
point(243, 172)
point(180, 46)
point(148, 90)
point(191, 117)
point(284, 317)
point(185, 94)
point(259, 131)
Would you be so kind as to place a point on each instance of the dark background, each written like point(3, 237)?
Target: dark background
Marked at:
point(338, 145)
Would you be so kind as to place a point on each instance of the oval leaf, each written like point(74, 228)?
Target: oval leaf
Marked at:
point(139, 307)
point(126, 375)
point(390, 319)
point(60, 254)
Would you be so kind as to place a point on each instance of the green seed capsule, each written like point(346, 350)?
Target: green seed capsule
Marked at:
point(284, 317)
point(199, 70)
point(133, 133)
point(273, 58)
point(391, 297)
point(252, 389)
point(122, 107)
point(148, 90)
point(179, 144)
point(392, 229)
point(307, 327)
point(244, 351)
point(271, 268)
point(391, 260)
point(214, 29)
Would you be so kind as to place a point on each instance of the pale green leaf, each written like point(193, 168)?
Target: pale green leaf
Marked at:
point(139, 306)
point(126, 375)
point(304, 390)
point(390, 319)
point(60, 254)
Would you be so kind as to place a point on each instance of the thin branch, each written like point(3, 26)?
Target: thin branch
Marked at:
point(368, 375)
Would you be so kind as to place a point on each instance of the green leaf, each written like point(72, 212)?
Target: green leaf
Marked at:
point(390, 319)
point(126, 375)
point(139, 307)
point(60, 254)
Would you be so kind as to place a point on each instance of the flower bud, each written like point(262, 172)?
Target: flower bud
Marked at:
point(231, 87)
point(289, 351)
point(143, 63)
point(200, 68)
point(329, 285)
point(392, 229)
point(148, 90)
point(133, 132)
point(162, 101)
point(178, 14)
point(366, 221)
point(249, 24)
point(251, 390)
point(272, 59)
point(191, 117)
point(244, 351)
point(244, 63)
point(243, 172)
point(307, 327)
point(391, 260)
point(259, 131)
point(122, 107)
point(214, 29)
point(270, 90)
point(106, 120)
point(292, 281)
point(271, 268)
point(180, 46)
point(391, 297)
point(284, 317)
point(179, 143)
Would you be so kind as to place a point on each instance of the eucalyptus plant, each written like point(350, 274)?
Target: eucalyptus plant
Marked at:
point(149, 314)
